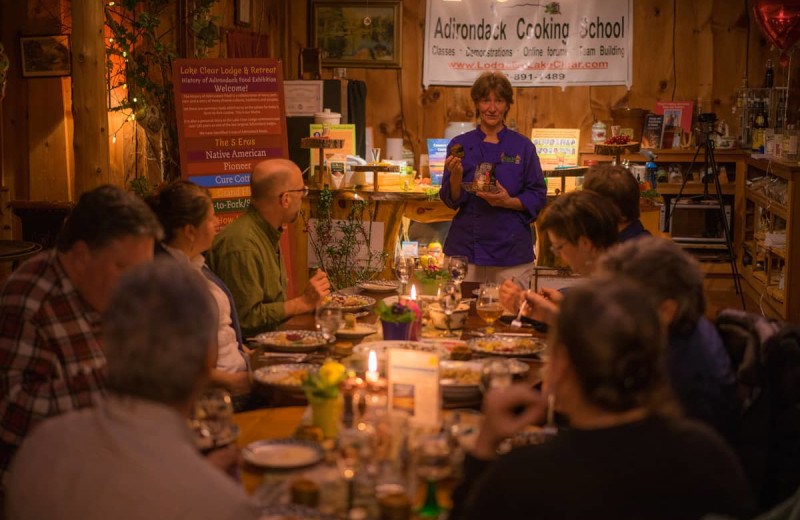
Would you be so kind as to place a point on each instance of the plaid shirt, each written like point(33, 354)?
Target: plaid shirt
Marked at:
point(50, 352)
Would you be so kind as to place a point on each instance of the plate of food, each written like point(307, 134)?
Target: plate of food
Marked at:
point(286, 453)
point(381, 347)
point(460, 380)
point(378, 285)
point(349, 302)
point(286, 376)
point(293, 512)
point(291, 340)
point(359, 330)
point(509, 346)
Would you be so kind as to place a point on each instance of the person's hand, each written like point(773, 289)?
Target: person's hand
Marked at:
point(318, 288)
point(499, 198)
point(540, 308)
point(553, 295)
point(225, 459)
point(453, 165)
point(506, 411)
point(510, 296)
point(240, 383)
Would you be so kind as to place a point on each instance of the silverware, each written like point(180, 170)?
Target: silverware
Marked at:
point(517, 323)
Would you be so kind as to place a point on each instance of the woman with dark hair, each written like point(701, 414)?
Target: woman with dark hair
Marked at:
point(492, 228)
point(626, 454)
point(187, 215)
point(618, 184)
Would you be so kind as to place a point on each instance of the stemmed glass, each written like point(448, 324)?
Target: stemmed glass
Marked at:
point(433, 464)
point(328, 319)
point(403, 267)
point(458, 266)
point(449, 296)
point(488, 305)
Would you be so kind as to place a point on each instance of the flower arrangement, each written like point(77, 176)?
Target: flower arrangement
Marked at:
point(324, 384)
point(432, 272)
point(395, 313)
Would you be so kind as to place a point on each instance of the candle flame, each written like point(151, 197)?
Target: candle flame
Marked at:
point(372, 362)
point(413, 293)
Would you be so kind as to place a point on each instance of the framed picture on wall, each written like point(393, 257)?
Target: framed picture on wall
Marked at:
point(358, 33)
point(243, 12)
point(45, 55)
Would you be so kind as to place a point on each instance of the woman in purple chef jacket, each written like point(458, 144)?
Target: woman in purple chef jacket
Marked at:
point(493, 229)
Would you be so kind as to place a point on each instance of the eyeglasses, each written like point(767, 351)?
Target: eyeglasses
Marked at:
point(556, 248)
point(304, 189)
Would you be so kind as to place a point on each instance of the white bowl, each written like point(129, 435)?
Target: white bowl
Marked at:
point(457, 319)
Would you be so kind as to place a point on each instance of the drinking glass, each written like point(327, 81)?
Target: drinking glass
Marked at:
point(433, 464)
point(376, 155)
point(496, 373)
point(212, 420)
point(403, 268)
point(488, 305)
point(352, 451)
point(449, 296)
point(458, 266)
point(328, 319)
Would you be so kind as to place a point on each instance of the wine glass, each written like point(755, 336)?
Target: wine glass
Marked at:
point(403, 268)
point(488, 305)
point(352, 450)
point(458, 267)
point(212, 420)
point(449, 296)
point(433, 464)
point(328, 319)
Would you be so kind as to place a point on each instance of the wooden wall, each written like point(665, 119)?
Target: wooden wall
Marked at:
point(716, 43)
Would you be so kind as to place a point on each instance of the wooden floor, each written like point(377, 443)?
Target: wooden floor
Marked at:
point(720, 291)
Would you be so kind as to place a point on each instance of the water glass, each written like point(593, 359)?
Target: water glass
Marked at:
point(329, 320)
point(403, 268)
point(488, 305)
point(212, 420)
point(458, 267)
point(496, 373)
point(376, 155)
point(433, 464)
point(449, 297)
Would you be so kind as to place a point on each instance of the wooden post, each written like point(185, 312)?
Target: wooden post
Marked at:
point(89, 91)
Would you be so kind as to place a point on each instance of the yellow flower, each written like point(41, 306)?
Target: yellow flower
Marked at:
point(331, 373)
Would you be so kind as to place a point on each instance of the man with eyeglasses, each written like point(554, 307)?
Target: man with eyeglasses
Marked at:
point(247, 256)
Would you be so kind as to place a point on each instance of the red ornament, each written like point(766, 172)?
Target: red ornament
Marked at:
point(779, 21)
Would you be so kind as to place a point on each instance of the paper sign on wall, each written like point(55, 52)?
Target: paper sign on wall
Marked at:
point(414, 385)
point(556, 146)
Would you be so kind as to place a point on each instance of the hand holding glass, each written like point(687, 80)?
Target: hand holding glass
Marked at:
point(488, 305)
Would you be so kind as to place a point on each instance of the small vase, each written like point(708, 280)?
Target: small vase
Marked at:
point(429, 287)
point(396, 331)
point(325, 413)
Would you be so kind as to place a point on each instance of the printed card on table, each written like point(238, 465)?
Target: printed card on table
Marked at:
point(556, 147)
point(346, 132)
point(437, 153)
point(414, 385)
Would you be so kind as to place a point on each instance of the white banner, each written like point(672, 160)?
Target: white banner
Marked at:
point(571, 42)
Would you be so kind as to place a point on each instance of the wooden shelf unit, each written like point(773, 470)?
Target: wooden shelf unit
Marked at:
point(770, 276)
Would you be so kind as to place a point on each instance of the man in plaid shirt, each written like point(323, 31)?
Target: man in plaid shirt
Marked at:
point(51, 357)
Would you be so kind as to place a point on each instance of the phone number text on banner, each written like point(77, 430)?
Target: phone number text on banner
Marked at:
point(567, 43)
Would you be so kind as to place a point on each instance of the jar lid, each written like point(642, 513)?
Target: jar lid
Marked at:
point(326, 113)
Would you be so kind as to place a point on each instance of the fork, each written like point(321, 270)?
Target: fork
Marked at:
point(517, 322)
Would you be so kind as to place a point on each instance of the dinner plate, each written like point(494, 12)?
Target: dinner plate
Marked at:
point(293, 511)
point(507, 346)
point(378, 285)
point(283, 453)
point(287, 376)
point(381, 347)
point(291, 340)
point(361, 330)
point(349, 302)
point(460, 380)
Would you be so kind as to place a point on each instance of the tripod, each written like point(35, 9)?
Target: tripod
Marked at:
point(710, 163)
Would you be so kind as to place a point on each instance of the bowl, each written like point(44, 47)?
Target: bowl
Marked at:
point(457, 320)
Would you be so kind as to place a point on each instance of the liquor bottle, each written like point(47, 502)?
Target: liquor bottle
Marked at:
point(759, 124)
point(769, 75)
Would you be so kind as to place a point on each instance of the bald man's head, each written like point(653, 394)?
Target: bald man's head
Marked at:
point(271, 177)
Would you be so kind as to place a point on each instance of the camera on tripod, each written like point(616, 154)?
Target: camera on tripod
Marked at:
point(705, 122)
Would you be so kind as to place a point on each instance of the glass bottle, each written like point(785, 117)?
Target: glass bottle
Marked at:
point(759, 124)
point(789, 149)
point(769, 75)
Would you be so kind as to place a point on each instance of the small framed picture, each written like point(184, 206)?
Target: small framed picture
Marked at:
point(46, 56)
point(243, 12)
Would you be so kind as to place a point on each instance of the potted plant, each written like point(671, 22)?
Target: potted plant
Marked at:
point(396, 320)
point(322, 391)
point(430, 277)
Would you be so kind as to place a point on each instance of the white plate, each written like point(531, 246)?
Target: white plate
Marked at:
point(378, 285)
point(291, 340)
point(279, 376)
point(454, 390)
point(381, 347)
point(349, 302)
point(283, 453)
point(361, 330)
point(507, 346)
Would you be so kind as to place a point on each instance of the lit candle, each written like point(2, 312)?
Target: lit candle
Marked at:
point(413, 293)
point(372, 367)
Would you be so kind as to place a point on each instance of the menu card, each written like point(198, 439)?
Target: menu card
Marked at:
point(414, 385)
point(437, 153)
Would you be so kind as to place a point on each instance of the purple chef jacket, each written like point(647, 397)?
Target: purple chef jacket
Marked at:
point(488, 235)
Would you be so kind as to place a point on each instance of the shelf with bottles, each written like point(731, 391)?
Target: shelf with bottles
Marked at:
point(759, 108)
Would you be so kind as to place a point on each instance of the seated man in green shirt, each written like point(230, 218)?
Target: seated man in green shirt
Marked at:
point(247, 256)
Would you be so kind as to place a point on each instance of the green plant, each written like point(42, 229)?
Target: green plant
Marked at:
point(395, 313)
point(432, 272)
point(324, 383)
point(343, 246)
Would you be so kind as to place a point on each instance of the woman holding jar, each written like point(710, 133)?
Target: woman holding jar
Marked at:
point(492, 228)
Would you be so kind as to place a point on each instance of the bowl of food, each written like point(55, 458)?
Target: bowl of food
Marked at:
point(457, 319)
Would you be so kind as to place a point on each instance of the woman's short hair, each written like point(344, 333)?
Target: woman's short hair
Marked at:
point(582, 214)
point(496, 82)
point(668, 273)
point(615, 345)
point(618, 184)
point(157, 330)
point(180, 203)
